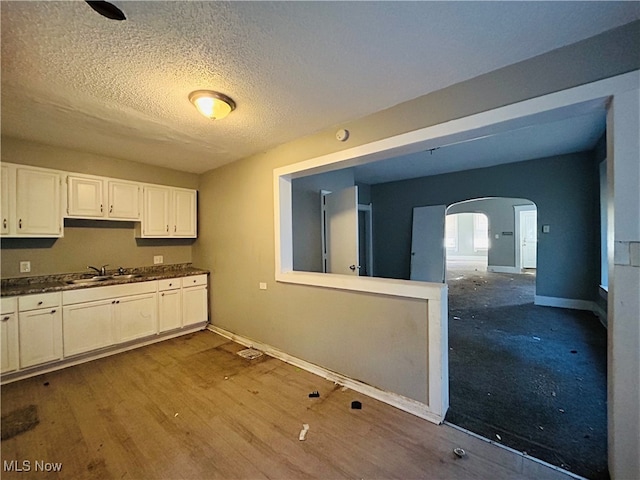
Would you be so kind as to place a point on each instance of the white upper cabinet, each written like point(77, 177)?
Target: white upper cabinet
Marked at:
point(124, 200)
point(103, 198)
point(85, 197)
point(184, 212)
point(169, 212)
point(4, 199)
point(155, 220)
point(31, 202)
point(34, 203)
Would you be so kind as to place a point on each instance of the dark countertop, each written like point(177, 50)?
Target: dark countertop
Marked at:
point(10, 287)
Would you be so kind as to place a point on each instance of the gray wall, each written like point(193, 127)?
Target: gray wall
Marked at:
point(339, 330)
point(563, 188)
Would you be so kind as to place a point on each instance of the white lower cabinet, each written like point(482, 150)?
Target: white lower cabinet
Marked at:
point(9, 353)
point(88, 326)
point(40, 329)
point(45, 328)
point(135, 317)
point(169, 304)
point(194, 300)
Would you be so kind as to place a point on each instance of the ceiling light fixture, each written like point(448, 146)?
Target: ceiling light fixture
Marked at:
point(212, 104)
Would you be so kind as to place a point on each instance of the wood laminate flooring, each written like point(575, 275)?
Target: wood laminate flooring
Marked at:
point(191, 408)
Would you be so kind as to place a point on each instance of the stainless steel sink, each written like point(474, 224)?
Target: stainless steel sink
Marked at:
point(97, 278)
point(125, 276)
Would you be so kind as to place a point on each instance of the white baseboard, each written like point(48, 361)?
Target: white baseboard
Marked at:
point(403, 403)
point(466, 258)
point(503, 269)
point(573, 303)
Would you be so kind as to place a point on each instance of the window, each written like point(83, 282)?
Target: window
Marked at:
point(451, 233)
point(480, 232)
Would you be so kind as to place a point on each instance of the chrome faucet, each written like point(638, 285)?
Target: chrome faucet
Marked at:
point(101, 271)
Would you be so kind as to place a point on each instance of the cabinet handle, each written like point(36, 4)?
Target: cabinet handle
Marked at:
point(175, 228)
point(171, 284)
point(113, 302)
point(20, 223)
point(167, 228)
point(53, 311)
point(40, 303)
point(117, 301)
point(4, 319)
point(111, 209)
point(163, 293)
point(4, 223)
point(100, 208)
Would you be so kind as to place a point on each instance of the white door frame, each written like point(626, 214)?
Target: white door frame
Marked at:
point(517, 210)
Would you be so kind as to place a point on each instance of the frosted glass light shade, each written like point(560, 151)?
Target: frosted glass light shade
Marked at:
point(212, 104)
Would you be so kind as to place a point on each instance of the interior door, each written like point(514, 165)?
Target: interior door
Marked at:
point(427, 244)
point(528, 238)
point(341, 235)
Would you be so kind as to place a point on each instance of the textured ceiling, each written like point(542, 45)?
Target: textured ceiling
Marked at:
point(72, 78)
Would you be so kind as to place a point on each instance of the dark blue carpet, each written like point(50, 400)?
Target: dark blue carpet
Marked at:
point(532, 378)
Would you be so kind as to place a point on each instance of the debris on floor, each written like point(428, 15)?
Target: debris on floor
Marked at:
point(314, 394)
point(250, 353)
point(356, 405)
point(459, 452)
point(303, 432)
point(19, 421)
point(498, 437)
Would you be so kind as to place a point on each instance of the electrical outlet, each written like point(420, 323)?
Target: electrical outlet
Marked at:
point(158, 259)
point(25, 267)
point(263, 286)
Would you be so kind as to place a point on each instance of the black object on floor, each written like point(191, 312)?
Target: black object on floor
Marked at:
point(532, 378)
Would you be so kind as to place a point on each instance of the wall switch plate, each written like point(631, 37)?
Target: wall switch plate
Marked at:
point(158, 259)
point(25, 267)
point(263, 286)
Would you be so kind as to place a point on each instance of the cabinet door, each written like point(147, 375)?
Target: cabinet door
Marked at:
point(87, 326)
point(5, 195)
point(40, 336)
point(85, 197)
point(8, 342)
point(136, 317)
point(194, 305)
point(169, 310)
point(124, 200)
point(38, 203)
point(184, 213)
point(155, 221)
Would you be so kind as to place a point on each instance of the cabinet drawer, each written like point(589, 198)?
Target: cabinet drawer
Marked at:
point(194, 281)
point(169, 284)
point(8, 305)
point(43, 300)
point(93, 294)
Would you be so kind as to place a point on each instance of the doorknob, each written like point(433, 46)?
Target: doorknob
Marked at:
point(353, 267)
